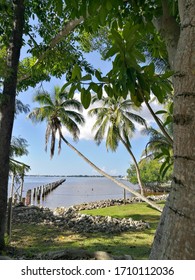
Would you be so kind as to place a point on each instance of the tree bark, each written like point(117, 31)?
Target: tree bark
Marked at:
point(175, 236)
point(141, 185)
point(169, 29)
point(7, 108)
point(120, 184)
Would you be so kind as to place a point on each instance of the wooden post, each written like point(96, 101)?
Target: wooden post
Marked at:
point(125, 196)
point(28, 197)
point(22, 184)
point(10, 201)
point(9, 218)
point(12, 186)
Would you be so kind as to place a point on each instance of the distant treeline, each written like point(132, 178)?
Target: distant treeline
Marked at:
point(91, 176)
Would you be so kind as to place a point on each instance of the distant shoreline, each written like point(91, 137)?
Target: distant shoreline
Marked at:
point(79, 176)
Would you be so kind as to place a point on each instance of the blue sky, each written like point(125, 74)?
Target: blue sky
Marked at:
point(68, 162)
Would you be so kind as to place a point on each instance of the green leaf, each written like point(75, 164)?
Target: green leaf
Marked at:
point(118, 40)
point(168, 120)
point(150, 69)
point(109, 90)
point(85, 98)
point(65, 86)
point(108, 5)
point(71, 91)
point(167, 74)
point(117, 37)
point(100, 91)
point(162, 167)
point(86, 77)
point(171, 108)
point(158, 92)
point(165, 170)
point(59, 7)
point(76, 72)
point(98, 75)
point(111, 52)
point(94, 87)
point(165, 151)
point(160, 112)
point(102, 14)
point(160, 155)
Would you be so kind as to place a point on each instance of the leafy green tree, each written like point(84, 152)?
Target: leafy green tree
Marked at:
point(116, 121)
point(44, 28)
point(150, 172)
point(167, 24)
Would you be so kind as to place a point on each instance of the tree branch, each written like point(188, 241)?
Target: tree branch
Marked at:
point(70, 26)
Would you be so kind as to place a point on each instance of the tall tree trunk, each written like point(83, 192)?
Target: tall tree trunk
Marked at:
point(120, 184)
point(141, 185)
point(175, 236)
point(7, 108)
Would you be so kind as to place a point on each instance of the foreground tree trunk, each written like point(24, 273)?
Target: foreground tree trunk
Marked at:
point(7, 108)
point(175, 236)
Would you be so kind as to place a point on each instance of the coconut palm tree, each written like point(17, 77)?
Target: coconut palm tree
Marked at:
point(115, 121)
point(17, 168)
point(58, 110)
point(158, 147)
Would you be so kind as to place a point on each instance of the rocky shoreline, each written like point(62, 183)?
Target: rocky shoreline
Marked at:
point(114, 202)
point(71, 219)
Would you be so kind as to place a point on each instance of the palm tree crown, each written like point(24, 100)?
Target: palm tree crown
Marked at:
point(115, 120)
point(57, 110)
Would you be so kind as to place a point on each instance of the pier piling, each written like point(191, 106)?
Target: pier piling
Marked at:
point(39, 193)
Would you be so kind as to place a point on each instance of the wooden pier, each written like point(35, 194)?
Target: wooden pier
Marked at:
point(35, 195)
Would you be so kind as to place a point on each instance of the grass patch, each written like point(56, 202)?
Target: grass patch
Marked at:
point(30, 240)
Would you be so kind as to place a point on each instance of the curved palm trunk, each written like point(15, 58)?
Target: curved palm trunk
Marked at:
point(141, 185)
point(152, 204)
point(165, 133)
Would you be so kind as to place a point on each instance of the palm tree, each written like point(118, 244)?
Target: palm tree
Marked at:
point(158, 147)
point(17, 168)
point(57, 110)
point(115, 120)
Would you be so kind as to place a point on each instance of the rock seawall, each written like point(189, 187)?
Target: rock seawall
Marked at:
point(70, 218)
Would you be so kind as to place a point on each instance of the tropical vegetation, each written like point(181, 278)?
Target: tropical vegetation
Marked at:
point(150, 172)
point(116, 121)
point(52, 31)
point(58, 110)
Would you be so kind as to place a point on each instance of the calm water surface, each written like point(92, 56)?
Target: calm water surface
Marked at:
point(76, 190)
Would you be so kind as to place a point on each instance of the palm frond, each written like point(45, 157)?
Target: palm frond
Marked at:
point(78, 118)
point(73, 104)
point(43, 98)
point(112, 139)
